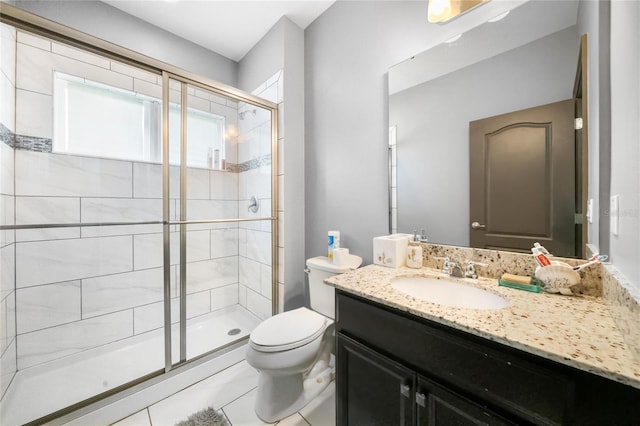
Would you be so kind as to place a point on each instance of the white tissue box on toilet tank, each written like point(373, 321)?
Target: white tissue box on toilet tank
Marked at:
point(391, 250)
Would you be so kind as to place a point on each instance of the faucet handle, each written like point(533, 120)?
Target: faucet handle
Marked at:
point(446, 265)
point(471, 268)
point(421, 237)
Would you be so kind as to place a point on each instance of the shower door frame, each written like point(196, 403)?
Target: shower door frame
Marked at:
point(23, 20)
point(183, 222)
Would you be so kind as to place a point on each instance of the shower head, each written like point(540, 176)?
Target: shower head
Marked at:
point(242, 114)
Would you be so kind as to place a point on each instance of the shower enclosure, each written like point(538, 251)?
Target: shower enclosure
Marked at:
point(137, 218)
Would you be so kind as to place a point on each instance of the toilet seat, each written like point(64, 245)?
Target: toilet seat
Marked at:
point(288, 330)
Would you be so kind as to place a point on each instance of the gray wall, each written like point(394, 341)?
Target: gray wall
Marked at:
point(433, 127)
point(111, 24)
point(348, 51)
point(264, 59)
point(625, 135)
point(282, 48)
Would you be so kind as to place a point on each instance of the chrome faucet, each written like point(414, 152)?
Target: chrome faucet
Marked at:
point(453, 268)
point(422, 237)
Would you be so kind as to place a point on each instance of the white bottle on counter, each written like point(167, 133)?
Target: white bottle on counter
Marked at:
point(334, 243)
point(414, 255)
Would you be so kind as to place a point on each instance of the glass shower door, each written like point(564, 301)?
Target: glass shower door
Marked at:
point(137, 233)
point(223, 215)
point(88, 217)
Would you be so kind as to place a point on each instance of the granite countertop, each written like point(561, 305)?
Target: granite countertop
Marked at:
point(578, 331)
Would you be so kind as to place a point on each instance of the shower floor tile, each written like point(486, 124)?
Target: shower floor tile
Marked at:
point(43, 389)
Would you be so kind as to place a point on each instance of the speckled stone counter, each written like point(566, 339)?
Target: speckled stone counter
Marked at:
point(578, 331)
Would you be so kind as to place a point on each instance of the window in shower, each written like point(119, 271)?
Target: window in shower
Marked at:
point(205, 139)
point(99, 120)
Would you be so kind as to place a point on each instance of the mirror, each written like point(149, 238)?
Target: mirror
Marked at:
point(525, 60)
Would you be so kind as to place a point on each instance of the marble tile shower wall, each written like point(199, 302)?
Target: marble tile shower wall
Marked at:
point(8, 361)
point(82, 287)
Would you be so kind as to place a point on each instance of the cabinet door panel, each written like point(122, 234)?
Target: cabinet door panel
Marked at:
point(372, 389)
point(438, 406)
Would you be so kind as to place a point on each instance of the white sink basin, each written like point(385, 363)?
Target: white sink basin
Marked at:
point(449, 293)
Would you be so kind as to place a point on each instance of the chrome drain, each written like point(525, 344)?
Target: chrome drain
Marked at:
point(233, 331)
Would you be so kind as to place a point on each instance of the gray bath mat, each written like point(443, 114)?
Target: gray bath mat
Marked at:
point(206, 417)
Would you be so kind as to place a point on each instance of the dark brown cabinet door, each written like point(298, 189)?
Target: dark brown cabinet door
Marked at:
point(438, 406)
point(373, 390)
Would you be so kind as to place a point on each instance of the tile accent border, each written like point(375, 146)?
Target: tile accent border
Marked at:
point(7, 136)
point(32, 143)
point(254, 163)
point(36, 144)
point(24, 142)
point(624, 303)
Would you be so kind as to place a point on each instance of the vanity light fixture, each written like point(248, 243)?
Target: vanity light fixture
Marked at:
point(441, 11)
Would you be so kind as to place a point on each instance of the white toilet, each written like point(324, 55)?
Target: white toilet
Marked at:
point(292, 350)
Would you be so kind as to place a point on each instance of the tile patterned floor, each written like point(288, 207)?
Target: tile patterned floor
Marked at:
point(233, 390)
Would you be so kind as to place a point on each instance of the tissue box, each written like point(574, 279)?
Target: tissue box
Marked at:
point(391, 250)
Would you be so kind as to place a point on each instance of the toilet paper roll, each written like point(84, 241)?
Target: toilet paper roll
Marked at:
point(341, 257)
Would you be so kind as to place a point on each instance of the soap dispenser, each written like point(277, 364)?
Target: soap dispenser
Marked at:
point(414, 255)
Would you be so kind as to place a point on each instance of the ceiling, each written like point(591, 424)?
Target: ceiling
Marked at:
point(230, 28)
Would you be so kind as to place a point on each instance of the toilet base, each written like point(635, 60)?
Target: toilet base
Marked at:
point(281, 396)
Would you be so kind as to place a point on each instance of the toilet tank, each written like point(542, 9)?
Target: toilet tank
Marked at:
point(321, 295)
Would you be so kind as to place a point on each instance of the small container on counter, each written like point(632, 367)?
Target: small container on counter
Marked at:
point(391, 250)
point(414, 255)
point(333, 243)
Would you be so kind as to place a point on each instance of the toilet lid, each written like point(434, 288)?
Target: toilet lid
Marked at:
point(288, 330)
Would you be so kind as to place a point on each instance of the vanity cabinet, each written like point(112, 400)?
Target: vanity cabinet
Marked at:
point(394, 368)
point(376, 390)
